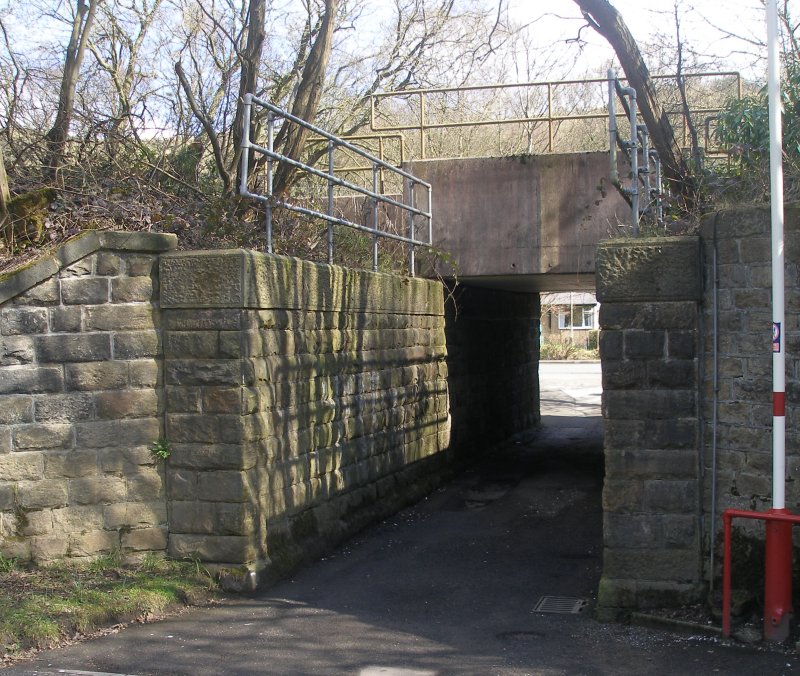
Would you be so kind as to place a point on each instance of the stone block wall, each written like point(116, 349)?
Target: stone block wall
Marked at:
point(650, 290)
point(738, 405)
point(80, 403)
point(300, 401)
point(493, 365)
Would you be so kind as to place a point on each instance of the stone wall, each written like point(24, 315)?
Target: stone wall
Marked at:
point(738, 421)
point(80, 402)
point(297, 402)
point(650, 290)
point(300, 400)
point(493, 365)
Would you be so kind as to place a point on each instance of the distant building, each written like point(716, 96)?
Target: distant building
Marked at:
point(572, 316)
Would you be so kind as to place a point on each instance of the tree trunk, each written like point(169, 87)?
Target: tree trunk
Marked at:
point(251, 60)
point(56, 138)
point(607, 21)
point(306, 101)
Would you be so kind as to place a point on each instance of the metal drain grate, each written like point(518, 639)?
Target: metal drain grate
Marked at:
point(564, 605)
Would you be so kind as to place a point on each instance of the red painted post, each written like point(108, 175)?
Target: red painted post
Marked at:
point(726, 575)
point(778, 578)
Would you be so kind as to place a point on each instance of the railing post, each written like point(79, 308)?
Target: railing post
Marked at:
point(612, 127)
point(549, 117)
point(422, 125)
point(411, 252)
point(245, 159)
point(375, 218)
point(331, 148)
point(270, 147)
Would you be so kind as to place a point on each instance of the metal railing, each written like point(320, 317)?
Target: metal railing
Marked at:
point(645, 194)
point(405, 202)
point(552, 118)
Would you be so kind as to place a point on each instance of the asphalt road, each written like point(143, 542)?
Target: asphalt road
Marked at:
point(450, 586)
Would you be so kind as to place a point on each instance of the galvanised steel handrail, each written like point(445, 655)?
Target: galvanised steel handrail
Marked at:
point(422, 125)
point(378, 165)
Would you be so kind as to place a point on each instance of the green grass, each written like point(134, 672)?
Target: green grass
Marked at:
point(41, 607)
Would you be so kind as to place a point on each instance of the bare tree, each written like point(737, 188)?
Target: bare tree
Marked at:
point(57, 136)
point(306, 100)
point(607, 21)
point(251, 62)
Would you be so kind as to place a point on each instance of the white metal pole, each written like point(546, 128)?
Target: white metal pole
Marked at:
point(778, 320)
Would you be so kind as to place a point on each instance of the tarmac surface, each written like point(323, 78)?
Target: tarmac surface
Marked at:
point(449, 586)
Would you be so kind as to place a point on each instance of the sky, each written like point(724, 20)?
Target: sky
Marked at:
point(703, 23)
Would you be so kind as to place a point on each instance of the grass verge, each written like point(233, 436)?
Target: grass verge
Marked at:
point(47, 606)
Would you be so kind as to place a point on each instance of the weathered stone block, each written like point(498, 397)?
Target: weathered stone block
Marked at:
point(125, 460)
point(678, 496)
point(645, 464)
point(21, 466)
point(37, 523)
point(46, 293)
point(97, 490)
point(623, 495)
point(109, 264)
point(126, 404)
point(650, 269)
point(223, 486)
point(620, 375)
point(212, 456)
point(182, 484)
point(131, 289)
point(16, 350)
point(48, 547)
point(84, 291)
point(675, 565)
point(649, 404)
point(74, 463)
point(23, 320)
point(106, 434)
point(222, 400)
point(145, 539)
point(75, 519)
point(73, 348)
point(42, 436)
point(41, 494)
point(134, 514)
point(213, 548)
point(15, 410)
point(91, 543)
point(203, 372)
point(204, 320)
point(194, 344)
point(146, 485)
point(63, 407)
point(611, 345)
point(673, 373)
point(127, 317)
point(644, 344)
point(222, 518)
point(82, 267)
point(93, 376)
point(145, 373)
point(136, 344)
point(65, 319)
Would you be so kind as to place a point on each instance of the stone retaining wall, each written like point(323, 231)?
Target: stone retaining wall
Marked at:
point(300, 401)
point(80, 401)
point(297, 403)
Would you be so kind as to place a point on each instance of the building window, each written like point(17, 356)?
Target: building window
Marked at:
point(582, 317)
